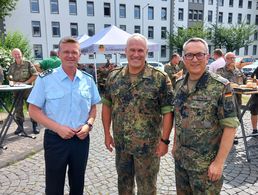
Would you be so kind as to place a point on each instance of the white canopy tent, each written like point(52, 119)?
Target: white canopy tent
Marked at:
point(110, 40)
point(82, 38)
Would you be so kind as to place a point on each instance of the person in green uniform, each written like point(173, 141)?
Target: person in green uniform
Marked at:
point(205, 123)
point(22, 71)
point(49, 63)
point(172, 68)
point(138, 101)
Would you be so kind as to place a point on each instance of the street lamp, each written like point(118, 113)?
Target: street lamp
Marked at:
point(143, 17)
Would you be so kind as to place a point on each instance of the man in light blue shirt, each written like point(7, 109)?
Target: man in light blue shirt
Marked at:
point(64, 101)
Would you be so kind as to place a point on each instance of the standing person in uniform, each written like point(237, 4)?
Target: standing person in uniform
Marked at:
point(137, 100)
point(49, 63)
point(22, 71)
point(64, 101)
point(254, 105)
point(205, 123)
point(172, 68)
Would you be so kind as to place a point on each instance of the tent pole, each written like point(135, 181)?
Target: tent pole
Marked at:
point(95, 68)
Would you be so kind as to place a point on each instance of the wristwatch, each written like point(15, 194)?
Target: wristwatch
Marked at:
point(165, 141)
point(90, 125)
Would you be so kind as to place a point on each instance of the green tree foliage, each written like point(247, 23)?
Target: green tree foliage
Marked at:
point(16, 40)
point(6, 6)
point(176, 40)
point(232, 37)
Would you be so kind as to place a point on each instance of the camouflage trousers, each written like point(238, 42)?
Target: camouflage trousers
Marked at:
point(19, 116)
point(190, 182)
point(143, 168)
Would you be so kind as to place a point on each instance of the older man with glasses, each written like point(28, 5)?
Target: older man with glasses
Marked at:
point(205, 124)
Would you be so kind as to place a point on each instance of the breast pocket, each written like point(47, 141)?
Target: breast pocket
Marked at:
point(85, 99)
point(54, 101)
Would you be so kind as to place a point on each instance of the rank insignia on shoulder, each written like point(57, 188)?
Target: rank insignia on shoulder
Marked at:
point(45, 73)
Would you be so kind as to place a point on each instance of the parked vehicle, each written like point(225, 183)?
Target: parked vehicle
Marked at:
point(155, 64)
point(249, 69)
point(244, 61)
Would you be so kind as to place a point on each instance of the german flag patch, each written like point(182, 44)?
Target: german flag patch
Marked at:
point(228, 94)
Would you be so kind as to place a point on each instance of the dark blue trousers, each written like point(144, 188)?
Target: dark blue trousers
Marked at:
point(61, 154)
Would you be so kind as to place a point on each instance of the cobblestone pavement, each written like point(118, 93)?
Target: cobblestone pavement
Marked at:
point(26, 177)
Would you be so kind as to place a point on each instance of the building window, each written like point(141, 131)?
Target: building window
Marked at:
point(195, 15)
point(237, 52)
point(151, 13)
point(137, 29)
point(163, 51)
point(239, 18)
point(220, 20)
point(55, 47)
point(254, 49)
point(72, 7)
point(246, 50)
point(90, 8)
point(36, 31)
point(107, 10)
point(200, 15)
point(163, 13)
point(210, 2)
point(257, 5)
point(122, 11)
point(150, 32)
point(181, 14)
point(91, 29)
point(240, 3)
point(150, 55)
point(256, 35)
point(256, 20)
point(34, 6)
point(74, 29)
point(249, 6)
point(231, 3)
point(163, 32)
point(55, 29)
point(123, 27)
point(209, 16)
point(221, 2)
point(190, 14)
point(107, 25)
point(230, 17)
point(137, 12)
point(37, 50)
point(248, 18)
point(54, 7)
point(181, 0)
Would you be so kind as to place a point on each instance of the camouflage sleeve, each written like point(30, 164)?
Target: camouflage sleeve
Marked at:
point(227, 110)
point(106, 97)
point(166, 95)
point(33, 70)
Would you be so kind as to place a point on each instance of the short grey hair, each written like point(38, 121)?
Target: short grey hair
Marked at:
point(196, 39)
point(137, 36)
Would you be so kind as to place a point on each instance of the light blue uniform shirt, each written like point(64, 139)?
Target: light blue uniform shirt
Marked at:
point(65, 101)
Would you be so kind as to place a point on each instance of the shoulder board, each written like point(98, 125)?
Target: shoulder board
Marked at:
point(156, 69)
point(84, 72)
point(117, 69)
point(219, 78)
point(45, 73)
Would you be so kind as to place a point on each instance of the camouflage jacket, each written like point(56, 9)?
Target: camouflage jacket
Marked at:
point(21, 72)
point(201, 116)
point(137, 107)
point(171, 69)
point(235, 76)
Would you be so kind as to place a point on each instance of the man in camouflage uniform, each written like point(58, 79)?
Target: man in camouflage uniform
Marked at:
point(205, 123)
point(172, 68)
point(138, 100)
point(22, 71)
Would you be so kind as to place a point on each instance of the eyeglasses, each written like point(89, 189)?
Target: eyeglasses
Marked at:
point(231, 58)
point(199, 56)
